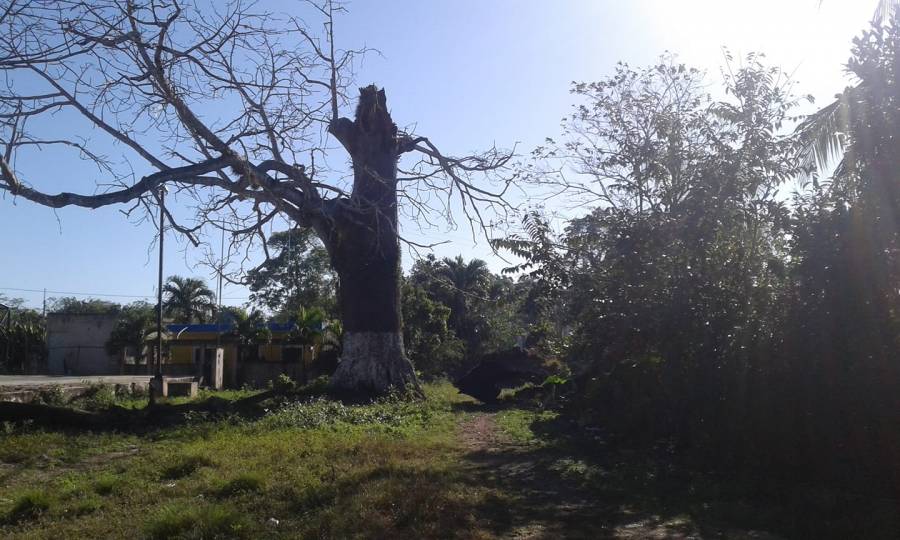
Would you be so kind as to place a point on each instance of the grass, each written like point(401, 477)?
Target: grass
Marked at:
point(517, 424)
point(185, 466)
point(243, 483)
point(198, 521)
point(105, 484)
point(307, 469)
point(103, 396)
point(28, 506)
point(313, 468)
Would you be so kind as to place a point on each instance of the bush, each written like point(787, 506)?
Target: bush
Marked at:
point(51, 396)
point(97, 396)
point(392, 412)
point(283, 384)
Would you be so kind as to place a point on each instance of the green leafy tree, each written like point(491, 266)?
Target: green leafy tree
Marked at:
point(17, 304)
point(543, 278)
point(71, 304)
point(136, 321)
point(482, 306)
point(675, 278)
point(431, 344)
point(297, 275)
point(23, 335)
point(465, 286)
point(231, 315)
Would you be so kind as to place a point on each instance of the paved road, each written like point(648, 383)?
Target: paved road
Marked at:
point(9, 381)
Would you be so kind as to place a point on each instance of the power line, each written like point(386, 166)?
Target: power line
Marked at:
point(76, 293)
point(100, 294)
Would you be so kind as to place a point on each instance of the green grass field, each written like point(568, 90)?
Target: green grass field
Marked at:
point(298, 466)
point(304, 470)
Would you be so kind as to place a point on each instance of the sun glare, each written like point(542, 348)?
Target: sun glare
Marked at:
point(806, 39)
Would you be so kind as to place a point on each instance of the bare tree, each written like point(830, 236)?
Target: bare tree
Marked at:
point(154, 76)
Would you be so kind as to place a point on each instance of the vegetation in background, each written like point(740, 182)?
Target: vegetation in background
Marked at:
point(481, 311)
point(71, 304)
point(136, 321)
point(297, 275)
point(25, 337)
point(431, 344)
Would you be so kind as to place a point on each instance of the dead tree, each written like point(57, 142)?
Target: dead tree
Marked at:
point(159, 79)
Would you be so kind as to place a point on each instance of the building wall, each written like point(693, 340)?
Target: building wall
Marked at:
point(76, 344)
point(272, 359)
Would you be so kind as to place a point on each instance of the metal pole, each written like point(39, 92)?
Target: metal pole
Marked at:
point(215, 362)
point(219, 295)
point(7, 319)
point(292, 270)
point(159, 311)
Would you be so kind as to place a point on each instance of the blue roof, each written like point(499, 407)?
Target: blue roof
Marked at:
point(207, 328)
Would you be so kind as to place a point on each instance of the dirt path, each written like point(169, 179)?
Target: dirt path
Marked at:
point(539, 502)
point(541, 505)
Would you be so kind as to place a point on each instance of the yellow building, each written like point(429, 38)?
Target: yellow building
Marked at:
point(192, 348)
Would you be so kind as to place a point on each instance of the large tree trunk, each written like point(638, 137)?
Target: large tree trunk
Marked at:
point(365, 250)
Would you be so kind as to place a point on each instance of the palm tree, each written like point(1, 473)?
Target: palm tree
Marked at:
point(466, 277)
point(464, 282)
point(312, 328)
point(188, 300)
point(824, 135)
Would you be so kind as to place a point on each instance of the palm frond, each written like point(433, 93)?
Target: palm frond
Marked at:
point(822, 135)
point(885, 11)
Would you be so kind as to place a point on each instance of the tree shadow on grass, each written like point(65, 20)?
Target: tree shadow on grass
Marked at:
point(129, 420)
point(574, 484)
point(546, 493)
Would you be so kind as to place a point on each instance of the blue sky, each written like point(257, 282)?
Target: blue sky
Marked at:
point(468, 74)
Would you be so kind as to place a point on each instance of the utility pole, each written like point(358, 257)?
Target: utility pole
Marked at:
point(6, 320)
point(159, 291)
point(44, 312)
point(219, 295)
point(292, 270)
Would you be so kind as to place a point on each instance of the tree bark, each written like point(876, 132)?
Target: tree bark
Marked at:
point(365, 250)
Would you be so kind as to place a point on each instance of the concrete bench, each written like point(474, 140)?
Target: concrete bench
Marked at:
point(175, 386)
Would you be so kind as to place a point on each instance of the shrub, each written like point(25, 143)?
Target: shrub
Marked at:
point(316, 412)
point(283, 384)
point(97, 396)
point(51, 396)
